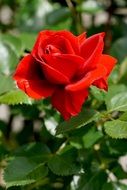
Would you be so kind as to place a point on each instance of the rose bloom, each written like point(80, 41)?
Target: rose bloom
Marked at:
point(63, 66)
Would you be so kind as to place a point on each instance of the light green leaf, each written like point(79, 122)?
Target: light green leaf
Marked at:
point(85, 117)
point(62, 166)
point(97, 93)
point(116, 129)
point(28, 40)
point(8, 59)
point(15, 97)
point(13, 41)
point(118, 102)
point(6, 84)
point(113, 91)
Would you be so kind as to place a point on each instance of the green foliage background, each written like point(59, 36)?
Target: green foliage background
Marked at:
point(45, 152)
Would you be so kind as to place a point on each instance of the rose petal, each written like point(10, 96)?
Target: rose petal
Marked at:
point(81, 38)
point(108, 62)
point(88, 79)
point(31, 80)
point(72, 39)
point(91, 51)
point(75, 100)
point(36, 89)
point(63, 40)
point(69, 103)
point(28, 68)
point(54, 76)
point(68, 65)
point(58, 100)
point(101, 83)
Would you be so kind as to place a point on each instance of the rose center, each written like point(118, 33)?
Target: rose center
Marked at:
point(50, 49)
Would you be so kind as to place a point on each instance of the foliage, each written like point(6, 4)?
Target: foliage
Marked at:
point(40, 150)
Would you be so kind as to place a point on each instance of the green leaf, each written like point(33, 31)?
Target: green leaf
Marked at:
point(116, 129)
point(123, 69)
point(14, 42)
point(123, 117)
point(119, 48)
point(97, 93)
point(28, 40)
point(118, 102)
point(85, 117)
point(114, 186)
point(15, 97)
point(36, 151)
point(57, 16)
point(6, 84)
point(93, 183)
point(113, 91)
point(22, 171)
point(62, 166)
point(39, 172)
point(8, 59)
point(91, 137)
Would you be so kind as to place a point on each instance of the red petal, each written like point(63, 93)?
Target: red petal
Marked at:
point(58, 101)
point(81, 38)
point(27, 69)
point(75, 100)
point(91, 50)
point(41, 42)
point(69, 103)
point(88, 79)
point(30, 79)
point(108, 62)
point(101, 83)
point(36, 89)
point(63, 40)
point(68, 65)
point(54, 76)
point(72, 39)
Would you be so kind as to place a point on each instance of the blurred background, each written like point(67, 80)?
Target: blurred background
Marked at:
point(20, 22)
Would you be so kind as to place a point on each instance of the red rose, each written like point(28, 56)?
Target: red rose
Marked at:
point(64, 66)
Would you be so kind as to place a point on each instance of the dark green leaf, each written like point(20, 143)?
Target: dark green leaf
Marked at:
point(37, 151)
point(22, 171)
point(91, 137)
point(118, 49)
point(57, 15)
point(62, 166)
point(93, 183)
point(85, 117)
